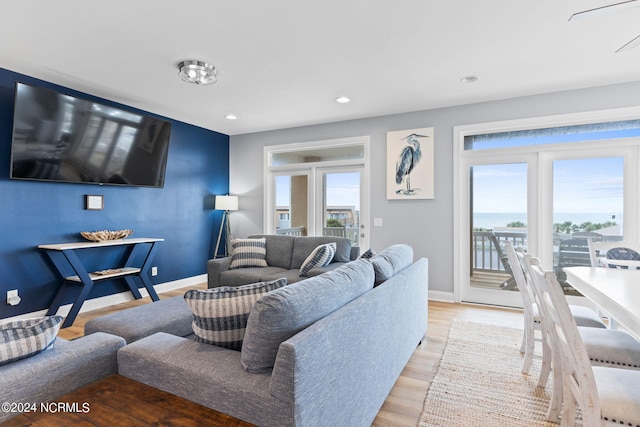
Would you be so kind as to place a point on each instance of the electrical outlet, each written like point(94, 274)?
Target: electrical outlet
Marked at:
point(13, 298)
point(154, 271)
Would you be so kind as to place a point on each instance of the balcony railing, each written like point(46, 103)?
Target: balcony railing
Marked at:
point(291, 231)
point(350, 233)
point(487, 248)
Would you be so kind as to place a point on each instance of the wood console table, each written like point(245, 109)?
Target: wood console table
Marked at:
point(64, 258)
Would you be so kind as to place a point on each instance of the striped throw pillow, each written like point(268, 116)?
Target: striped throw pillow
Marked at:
point(319, 257)
point(220, 314)
point(24, 338)
point(248, 253)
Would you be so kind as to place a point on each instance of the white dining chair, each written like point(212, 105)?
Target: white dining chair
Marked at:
point(605, 347)
point(584, 316)
point(605, 396)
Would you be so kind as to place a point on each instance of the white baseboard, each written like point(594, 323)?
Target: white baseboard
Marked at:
point(441, 296)
point(109, 300)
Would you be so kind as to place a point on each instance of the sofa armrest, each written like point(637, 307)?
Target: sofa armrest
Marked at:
point(355, 252)
point(214, 268)
point(66, 366)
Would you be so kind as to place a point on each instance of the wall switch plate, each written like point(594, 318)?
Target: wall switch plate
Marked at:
point(154, 271)
point(377, 222)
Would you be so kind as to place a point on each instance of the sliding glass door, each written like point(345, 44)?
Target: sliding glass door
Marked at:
point(340, 204)
point(548, 198)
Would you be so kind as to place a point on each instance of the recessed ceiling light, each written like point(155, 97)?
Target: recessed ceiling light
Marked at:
point(230, 117)
point(343, 100)
point(469, 79)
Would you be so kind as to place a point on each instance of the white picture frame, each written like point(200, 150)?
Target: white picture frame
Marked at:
point(410, 164)
point(94, 202)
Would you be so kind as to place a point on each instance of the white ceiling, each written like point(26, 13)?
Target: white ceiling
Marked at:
point(282, 63)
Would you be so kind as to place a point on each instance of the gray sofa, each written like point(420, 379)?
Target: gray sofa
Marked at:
point(66, 366)
point(354, 329)
point(285, 255)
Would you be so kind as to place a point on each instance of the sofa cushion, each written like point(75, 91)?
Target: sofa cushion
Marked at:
point(220, 314)
point(246, 276)
point(321, 256)
point(292, 276)
point(24, 338)
point(390, 261)
point(281, 314)
point(279, 249)
point(303, 246)
point(248, 253)
point(170, 315)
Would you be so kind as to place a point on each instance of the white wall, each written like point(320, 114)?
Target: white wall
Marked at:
point(424, 224)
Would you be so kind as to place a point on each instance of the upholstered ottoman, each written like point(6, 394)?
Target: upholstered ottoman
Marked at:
point(171, 315)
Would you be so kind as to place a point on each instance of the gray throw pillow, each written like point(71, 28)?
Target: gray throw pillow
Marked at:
point(281, 314)
point(24, 338)
point(320, 257)
point(248, 253)
point(220, 314)
point(389, 261)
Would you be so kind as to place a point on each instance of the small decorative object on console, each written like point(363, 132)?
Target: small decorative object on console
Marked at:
point(99, 236)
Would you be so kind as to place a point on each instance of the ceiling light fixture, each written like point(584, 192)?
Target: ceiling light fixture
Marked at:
point(231, 117)
point(342, 100)
point(469, 79)
point(197, 72)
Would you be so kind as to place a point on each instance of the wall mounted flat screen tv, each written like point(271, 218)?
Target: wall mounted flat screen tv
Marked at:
point(62, 138)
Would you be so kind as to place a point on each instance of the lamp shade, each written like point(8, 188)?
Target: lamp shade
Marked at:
point(227, 203)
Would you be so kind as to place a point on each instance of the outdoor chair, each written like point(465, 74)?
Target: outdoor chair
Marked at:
point(620, 254)
point(605, 395)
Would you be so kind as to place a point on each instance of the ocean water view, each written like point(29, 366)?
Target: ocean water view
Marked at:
point(491, 220)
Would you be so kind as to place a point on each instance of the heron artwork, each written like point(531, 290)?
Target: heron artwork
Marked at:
point(407, 161)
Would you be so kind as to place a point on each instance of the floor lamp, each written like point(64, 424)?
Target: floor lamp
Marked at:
point(226, 204)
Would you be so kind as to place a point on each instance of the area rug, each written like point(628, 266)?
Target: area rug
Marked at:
point(480, 383)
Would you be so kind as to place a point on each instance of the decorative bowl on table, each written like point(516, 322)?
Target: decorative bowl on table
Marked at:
point(104, 235)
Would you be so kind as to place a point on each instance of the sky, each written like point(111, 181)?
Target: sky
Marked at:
point(343, 189)
point(585, 185)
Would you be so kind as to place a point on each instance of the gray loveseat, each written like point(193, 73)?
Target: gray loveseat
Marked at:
point(66, 366)
point(354, 329)
point(285, 255)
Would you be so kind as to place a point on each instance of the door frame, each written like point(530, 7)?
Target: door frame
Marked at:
point(310, 169)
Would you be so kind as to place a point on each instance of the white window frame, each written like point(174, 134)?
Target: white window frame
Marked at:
point(311, 170)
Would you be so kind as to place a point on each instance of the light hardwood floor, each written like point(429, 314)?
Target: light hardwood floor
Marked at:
point(404, 404)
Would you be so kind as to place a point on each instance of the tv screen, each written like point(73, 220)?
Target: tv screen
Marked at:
point(58, 137)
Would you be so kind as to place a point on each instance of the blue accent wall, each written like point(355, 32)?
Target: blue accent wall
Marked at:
point(34, 213)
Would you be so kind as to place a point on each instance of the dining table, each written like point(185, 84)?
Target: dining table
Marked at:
point(615, 291)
